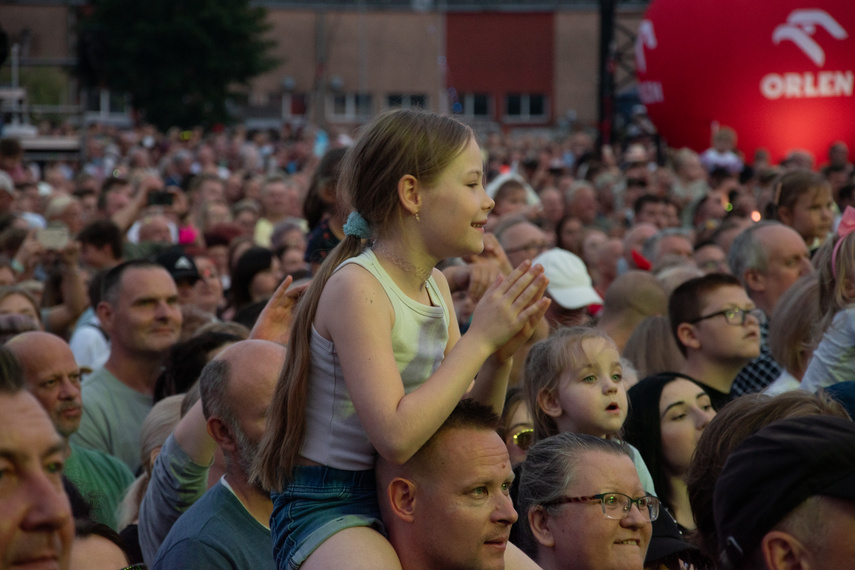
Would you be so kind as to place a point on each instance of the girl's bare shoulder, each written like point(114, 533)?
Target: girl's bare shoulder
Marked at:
point(352, 293)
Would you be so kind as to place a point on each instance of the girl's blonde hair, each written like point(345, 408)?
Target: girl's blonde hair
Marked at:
point(791, 340)
point(156, 427)
point(652, 349)
point(545, 363)
point(397, 143)
point(832, 288)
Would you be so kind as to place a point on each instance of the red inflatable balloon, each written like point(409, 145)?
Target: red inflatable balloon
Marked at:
point(782, 74)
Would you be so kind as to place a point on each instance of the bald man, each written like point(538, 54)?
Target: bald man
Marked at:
point(631, 298)
point(227, 526)
point(53, 377)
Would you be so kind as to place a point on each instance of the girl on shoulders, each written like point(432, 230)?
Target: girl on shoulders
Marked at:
point(376, 362)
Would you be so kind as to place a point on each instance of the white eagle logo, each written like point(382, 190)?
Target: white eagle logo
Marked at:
point(801, 25)
point(646, 38)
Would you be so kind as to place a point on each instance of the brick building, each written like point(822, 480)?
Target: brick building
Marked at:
point(500, 64)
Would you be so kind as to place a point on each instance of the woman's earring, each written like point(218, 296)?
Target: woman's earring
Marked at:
point(416, 216)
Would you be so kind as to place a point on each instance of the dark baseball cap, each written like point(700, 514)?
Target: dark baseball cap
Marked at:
point(180, 265)
point(774, 471)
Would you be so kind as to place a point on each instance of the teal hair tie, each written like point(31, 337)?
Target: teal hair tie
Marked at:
point(357, 226)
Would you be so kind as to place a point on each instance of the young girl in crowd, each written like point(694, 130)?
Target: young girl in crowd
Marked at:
point(834, 357)
point(513, 197)
point(375, 361)
point(666, 419)
point(803, 201)
point(574, 383)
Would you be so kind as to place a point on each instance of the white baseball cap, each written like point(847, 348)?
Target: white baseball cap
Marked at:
point(569, 283)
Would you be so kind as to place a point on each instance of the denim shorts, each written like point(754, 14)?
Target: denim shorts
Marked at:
point(318, 502)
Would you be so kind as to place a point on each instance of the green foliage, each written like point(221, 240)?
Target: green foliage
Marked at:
point(45, 85)
point(180, 60)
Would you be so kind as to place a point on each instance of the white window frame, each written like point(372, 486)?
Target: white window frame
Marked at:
point(468, 102)
point(351, 108)
point(525, 115)
point(407, 101)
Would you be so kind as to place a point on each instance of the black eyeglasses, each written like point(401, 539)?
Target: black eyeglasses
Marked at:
point(734, 316)
point(616, 505)
point(533, 248)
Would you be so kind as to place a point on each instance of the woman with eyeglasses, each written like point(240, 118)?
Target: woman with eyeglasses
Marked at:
point(582, 506)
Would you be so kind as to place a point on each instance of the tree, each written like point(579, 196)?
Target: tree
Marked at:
point(180, 60)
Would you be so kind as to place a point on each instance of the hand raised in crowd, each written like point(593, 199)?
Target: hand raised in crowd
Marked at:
point(493, 252)
point(510, 305)
point(516, 342)
point(28, 256)
point(70, 255)
point(482, 269)
point(180, 205)
point(274, 322)
point(474, 278)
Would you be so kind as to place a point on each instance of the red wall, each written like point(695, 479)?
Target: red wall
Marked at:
point(500, 53)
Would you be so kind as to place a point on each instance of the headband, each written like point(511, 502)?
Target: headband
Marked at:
point(846, 227)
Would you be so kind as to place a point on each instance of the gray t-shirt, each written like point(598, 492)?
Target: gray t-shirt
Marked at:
point(176, 483)
point(113, 414)
point(217, 532)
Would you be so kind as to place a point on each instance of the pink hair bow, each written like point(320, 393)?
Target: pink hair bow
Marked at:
point(846, 227)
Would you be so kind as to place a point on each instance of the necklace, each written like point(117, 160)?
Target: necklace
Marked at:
point(402, 263)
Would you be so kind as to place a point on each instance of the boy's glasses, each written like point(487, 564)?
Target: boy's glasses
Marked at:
point(523, 439)
point(734, 316)
point(616, 506)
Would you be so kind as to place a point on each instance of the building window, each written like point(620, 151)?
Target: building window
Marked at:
point(473, 106)
point(402, 101)
point(351, 106)
point(526, 107)
point(294, 105)
point(106, 101)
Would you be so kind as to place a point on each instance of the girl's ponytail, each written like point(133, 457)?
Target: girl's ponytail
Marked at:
point(286, 420)
point(395, 144)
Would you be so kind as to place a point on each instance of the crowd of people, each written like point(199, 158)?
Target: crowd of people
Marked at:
point(414, 347)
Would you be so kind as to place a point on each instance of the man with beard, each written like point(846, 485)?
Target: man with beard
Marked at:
point(228, 526)
point(53, 377)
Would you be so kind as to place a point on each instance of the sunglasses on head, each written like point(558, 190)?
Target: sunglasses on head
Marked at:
point(523, 439)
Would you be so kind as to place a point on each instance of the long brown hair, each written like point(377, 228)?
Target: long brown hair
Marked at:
point(395, 144)
point(833, 287)
point(738, 420)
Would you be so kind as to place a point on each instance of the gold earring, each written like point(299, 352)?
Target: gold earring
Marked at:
point(416, 216)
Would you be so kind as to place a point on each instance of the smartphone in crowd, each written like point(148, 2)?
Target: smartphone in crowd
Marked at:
point(53, 237)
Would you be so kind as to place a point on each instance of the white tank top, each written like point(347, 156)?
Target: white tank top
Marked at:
point(334, 435)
